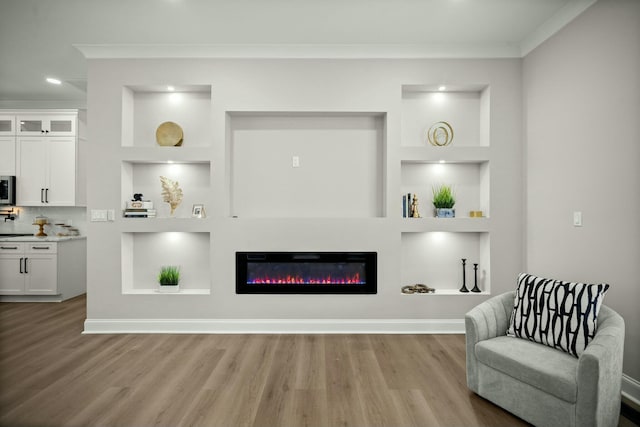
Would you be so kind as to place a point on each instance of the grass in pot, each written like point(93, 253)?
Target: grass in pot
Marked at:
point(443, 201)
point(169, 279)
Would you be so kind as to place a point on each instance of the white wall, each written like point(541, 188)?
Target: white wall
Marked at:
point(582, 120)
point(298, 85)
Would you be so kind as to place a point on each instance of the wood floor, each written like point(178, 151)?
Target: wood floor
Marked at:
point(51, 375)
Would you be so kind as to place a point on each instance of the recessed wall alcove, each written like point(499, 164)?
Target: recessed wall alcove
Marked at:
point(317, 165)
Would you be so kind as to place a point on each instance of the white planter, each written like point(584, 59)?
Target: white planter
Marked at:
point(169, 289)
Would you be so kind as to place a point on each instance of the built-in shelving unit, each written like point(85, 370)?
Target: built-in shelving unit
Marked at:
point(168, 239)
point(432, 248)
point(320, 168)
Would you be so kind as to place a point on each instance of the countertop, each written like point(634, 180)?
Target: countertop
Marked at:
point(40, 239)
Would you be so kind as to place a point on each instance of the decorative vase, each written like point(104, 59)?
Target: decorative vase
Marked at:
point(169, 288)
point(445, 213)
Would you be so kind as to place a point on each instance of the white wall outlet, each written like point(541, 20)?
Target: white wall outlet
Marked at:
point(577, 219)
point(98, 215)
point(295, 161)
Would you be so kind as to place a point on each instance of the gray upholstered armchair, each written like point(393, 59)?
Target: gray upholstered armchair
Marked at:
point(539, 384)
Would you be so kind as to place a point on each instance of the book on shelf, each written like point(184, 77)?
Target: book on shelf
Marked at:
point(139, 213)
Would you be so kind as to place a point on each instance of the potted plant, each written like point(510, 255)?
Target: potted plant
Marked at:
point(169, 279)
point(443, 201)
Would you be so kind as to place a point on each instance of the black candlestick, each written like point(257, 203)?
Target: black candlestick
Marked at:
point(475, 273)
point(464, 278)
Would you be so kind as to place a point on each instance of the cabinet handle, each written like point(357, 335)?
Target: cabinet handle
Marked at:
point(42, 195)
point(9, 247)
point(46, 195)
point(40, 247)
point(25, 266)
point(41, 130)
point(21, 272)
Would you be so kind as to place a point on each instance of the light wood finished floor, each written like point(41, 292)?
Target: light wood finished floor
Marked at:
point(51, 375)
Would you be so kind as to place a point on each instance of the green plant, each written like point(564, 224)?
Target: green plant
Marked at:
point(169, 275)
point(443, 197)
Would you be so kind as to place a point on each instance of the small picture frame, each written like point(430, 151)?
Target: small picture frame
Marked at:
point(198, 211)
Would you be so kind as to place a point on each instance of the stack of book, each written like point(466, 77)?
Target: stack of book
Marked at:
point(139, 209)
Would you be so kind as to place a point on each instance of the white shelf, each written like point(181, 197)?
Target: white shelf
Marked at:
point(156, 292)
point(149, 225)
point(157, 154)
point(452, 225)
point(448, 292)
point(448, 154)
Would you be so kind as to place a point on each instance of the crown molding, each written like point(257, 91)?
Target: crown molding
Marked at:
point(299, 51)
point(554, 24)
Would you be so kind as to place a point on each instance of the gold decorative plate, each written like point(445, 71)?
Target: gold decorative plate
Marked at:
point(169, 134)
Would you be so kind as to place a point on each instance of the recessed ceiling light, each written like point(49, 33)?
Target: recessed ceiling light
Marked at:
point(171, 88)
point(442, 88)
point(442, 162)
point(53, 81)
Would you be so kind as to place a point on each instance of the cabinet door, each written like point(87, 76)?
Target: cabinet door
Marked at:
point(11, 279)
point(47, 125)
point(41, 276)
point(7, 125)
point(61, 187)
point(32, 170)
point(7, 155)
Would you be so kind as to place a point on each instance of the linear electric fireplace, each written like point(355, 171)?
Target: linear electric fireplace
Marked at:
point(306, 273)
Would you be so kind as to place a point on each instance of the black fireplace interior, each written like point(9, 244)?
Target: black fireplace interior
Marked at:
point(306, 272)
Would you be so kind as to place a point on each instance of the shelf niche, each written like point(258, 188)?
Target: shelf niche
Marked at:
point(465, 108)
point(193, 178)
point(143, 254)
point(434, 258)
point(470, 183)
point(341, 170)
point(144, 108)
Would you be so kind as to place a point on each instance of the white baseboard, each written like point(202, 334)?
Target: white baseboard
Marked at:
point(631, 389)
point(274, 326)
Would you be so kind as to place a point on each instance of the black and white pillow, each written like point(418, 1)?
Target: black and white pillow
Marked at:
point(559, 314)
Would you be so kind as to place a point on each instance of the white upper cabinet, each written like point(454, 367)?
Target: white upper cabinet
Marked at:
point(46, 171)
point(7, 125)
point(46, 125)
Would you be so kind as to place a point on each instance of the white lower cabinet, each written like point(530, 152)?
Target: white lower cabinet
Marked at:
point(46, 268)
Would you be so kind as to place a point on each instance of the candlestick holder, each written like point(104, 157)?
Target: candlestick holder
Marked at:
point(464, 278)
point(475, 275)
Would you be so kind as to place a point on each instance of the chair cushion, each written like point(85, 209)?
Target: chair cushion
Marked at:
point(562, 315)
point(552, 371)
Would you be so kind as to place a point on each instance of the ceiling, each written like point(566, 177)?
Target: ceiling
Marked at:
point(42, 38)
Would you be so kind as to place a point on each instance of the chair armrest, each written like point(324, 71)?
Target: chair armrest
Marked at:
point(600, 373)
point(487, 320)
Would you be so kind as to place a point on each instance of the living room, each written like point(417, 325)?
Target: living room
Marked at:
point(313, 151)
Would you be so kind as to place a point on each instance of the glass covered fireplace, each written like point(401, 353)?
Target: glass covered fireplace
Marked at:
point(306, 273)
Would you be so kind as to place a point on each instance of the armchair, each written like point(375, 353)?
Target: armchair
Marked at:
point(539, 384)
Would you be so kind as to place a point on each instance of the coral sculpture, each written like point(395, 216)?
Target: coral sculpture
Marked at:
point(171, 193)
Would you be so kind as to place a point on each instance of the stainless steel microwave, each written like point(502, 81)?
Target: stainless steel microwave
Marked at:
point(7, 190)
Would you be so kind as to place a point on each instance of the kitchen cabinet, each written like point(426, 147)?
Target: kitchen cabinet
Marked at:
point(28, 269)
point(46, 170)
point(47, 268)
point(46, 124)
point(7, 125)
point(7, 155)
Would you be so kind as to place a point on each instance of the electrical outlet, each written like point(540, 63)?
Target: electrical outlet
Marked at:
point(577, 219)
point(98, 215)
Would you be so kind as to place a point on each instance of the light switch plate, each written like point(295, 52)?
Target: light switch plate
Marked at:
point(577, 219)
